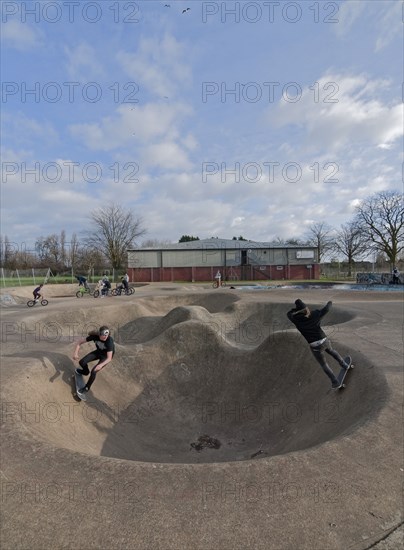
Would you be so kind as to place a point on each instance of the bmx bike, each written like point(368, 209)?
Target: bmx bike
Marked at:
point(121, 291)
point(84, 291)
point(103, 292)
point(32, 303)
point(216, 283)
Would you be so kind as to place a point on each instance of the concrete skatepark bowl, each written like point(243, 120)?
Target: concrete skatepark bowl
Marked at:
point(213, 423)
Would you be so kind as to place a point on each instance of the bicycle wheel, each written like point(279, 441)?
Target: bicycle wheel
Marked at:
point(79, 294)
point(31, 303)
point(96, 293)
point(115, 292)
point(215, 284)
point(131, 290)
point(224, 283)
point(44, 302)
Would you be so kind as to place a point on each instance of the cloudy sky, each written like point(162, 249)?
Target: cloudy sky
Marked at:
point(227, 119)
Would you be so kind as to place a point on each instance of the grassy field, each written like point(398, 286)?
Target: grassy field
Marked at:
point(30, 281)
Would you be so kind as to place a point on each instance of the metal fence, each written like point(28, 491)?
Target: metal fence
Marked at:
point(33, 276)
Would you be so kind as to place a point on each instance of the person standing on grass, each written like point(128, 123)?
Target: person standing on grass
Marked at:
point(103, 354)
point(308, 323)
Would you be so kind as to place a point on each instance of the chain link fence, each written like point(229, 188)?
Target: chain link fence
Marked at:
point(36, 276)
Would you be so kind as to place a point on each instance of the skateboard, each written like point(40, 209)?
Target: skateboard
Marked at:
point(80, 384)
point(342, 375)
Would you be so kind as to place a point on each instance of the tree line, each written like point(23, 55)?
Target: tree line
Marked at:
point(112, 231)
point(377, 228)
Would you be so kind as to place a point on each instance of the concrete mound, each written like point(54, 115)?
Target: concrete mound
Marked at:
point(180, 390)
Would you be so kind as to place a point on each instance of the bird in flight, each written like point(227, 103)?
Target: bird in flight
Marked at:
point(185, 11)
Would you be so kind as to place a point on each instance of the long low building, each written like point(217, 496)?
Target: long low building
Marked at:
point(236, 260)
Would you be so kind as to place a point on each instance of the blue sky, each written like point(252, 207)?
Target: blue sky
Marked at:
point(233, 118)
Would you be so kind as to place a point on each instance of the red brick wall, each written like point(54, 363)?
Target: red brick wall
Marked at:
point(242, 273)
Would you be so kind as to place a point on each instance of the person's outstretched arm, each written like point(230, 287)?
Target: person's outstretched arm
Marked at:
point(325, 309)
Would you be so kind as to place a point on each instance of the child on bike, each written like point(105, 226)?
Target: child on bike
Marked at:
point(82, 281)
point(37, 294)
point(106, 286)
point(124, 282)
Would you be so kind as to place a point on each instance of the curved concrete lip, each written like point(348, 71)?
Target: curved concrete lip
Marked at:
point(330, 479)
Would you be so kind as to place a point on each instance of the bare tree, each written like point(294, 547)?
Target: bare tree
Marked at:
point(88, 259)
point(73, 254)
point(115, 230)
point(63, 255)
point(351, 242)
point(20, 257)
point(50, 251)
point(381, 217)
point(320, 236)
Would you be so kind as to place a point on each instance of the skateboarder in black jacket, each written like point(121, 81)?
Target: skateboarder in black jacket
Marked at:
point(308, 323)
point(105, 349)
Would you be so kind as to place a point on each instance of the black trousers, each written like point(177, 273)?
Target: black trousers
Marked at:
point(92, 356)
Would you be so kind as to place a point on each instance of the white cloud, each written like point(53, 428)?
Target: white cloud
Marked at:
point(159, 65)
point(348, 14)
point(151, 132)
point(384, 18)
point(21, 36)
point(389, 25)
point(83, 62)
point(166, 155)
point(127, 126)
point(355, 115)
point(24, 130)
point(237, 221)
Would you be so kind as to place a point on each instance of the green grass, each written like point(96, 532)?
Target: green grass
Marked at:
point(29, 281)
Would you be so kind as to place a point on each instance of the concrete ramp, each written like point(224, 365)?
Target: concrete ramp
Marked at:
point(183, 389)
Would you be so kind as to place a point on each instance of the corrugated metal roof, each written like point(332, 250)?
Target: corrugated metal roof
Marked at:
point(223, 244)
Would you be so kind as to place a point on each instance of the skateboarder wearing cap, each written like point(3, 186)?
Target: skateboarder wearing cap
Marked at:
point(308, 323)
point(105, 349)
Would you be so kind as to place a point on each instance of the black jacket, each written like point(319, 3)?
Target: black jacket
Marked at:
point(310, 327)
